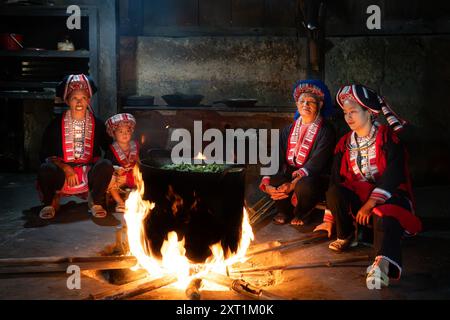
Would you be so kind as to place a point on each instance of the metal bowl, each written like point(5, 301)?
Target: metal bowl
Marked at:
point(183, 100)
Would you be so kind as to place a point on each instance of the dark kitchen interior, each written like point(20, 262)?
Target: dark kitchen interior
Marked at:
point(231, 64)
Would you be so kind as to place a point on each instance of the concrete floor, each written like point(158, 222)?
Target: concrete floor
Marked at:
point(75, 233)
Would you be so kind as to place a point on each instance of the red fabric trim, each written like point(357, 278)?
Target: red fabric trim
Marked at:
point(83, 187)
point(294, 200)
point(299, 173)
point(264, 182)
point(298, 160)
point(63, 133)
point(288, 142)
point(406, 218)
point(88, 142)
point(328, 217)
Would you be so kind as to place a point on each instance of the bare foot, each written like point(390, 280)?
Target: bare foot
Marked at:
point(280, 218)
point(297, 222)
point(325, 226)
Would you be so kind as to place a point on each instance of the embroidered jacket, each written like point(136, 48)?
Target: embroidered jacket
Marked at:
point(53, 142)
point(391, 179)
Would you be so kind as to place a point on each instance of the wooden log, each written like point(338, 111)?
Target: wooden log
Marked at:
point(134, 289)
point(242, 287)
point(289, 244)
point(258, 205)
point(263, 246)
point(60, 264)
point(262, 214)
point(316, 264)
point(193, 289)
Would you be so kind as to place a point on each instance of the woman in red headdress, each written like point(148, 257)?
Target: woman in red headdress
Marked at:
point(306, 150)
point(71, 151)
point(370, 183)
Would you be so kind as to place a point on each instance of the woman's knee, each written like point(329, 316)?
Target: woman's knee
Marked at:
point(386, 224)
point(305, 186)
point(334, 192)
point(47, 169)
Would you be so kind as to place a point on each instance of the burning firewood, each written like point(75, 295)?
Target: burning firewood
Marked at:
point(242, 287)
point(193, 289)
point(60, 264)
point(134, 289)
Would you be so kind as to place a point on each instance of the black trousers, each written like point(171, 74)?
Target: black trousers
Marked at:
point(309, 191)
point(51, 179)
point(387, 231)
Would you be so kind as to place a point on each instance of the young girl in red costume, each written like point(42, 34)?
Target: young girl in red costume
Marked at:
point(123, 154)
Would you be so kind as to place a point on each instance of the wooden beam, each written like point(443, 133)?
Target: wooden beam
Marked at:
point(60, 264)
point(134, 289)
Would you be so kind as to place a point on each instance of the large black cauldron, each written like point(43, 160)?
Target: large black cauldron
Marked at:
point(211, 208)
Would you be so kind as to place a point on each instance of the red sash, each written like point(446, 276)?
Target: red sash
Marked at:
point(67, 139)
point(69, 153)
point(297, 155)
point(82, 188)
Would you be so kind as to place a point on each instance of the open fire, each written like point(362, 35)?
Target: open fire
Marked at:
point(173, 260)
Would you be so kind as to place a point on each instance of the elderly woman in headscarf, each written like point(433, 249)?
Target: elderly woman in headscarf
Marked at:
point(370, 183)
point(306, 148)
point(71, 151)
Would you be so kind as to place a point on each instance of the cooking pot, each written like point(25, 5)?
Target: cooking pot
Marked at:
point(138, 101)
point(183, 100)
point(211, 210)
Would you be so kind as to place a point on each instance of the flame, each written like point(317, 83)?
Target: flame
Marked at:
point(200, 156)
point(143, 139)
point(174, 260)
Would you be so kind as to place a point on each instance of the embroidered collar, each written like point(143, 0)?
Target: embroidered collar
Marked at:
point(127, 162)
point(68, 138)
point(298, 151)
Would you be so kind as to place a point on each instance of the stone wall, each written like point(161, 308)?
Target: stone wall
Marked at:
point(264, 68)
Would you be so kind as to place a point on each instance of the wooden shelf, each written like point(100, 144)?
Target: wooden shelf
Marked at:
point(40, 10)
point(285, 109)
point(45, 53)
point(27, 84)
point(45, 95)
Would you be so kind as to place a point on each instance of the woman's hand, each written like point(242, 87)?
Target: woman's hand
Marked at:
point(288, 187)
point(285, 188)
point(363, 216)
point(71, 176)
point(274, 193)
point(283, 191)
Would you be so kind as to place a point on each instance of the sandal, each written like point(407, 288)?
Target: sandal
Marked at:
point(97, 211)
point(47, 213)
point(120, 208)
point(342, 244)
point(376, 278)
point(280, 219)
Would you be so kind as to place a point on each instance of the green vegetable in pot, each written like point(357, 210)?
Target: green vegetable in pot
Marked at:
point(206, 168)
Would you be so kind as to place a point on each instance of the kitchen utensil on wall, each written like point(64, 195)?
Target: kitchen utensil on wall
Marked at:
point(138, 101)
point(11, 41)
point(183, 100)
